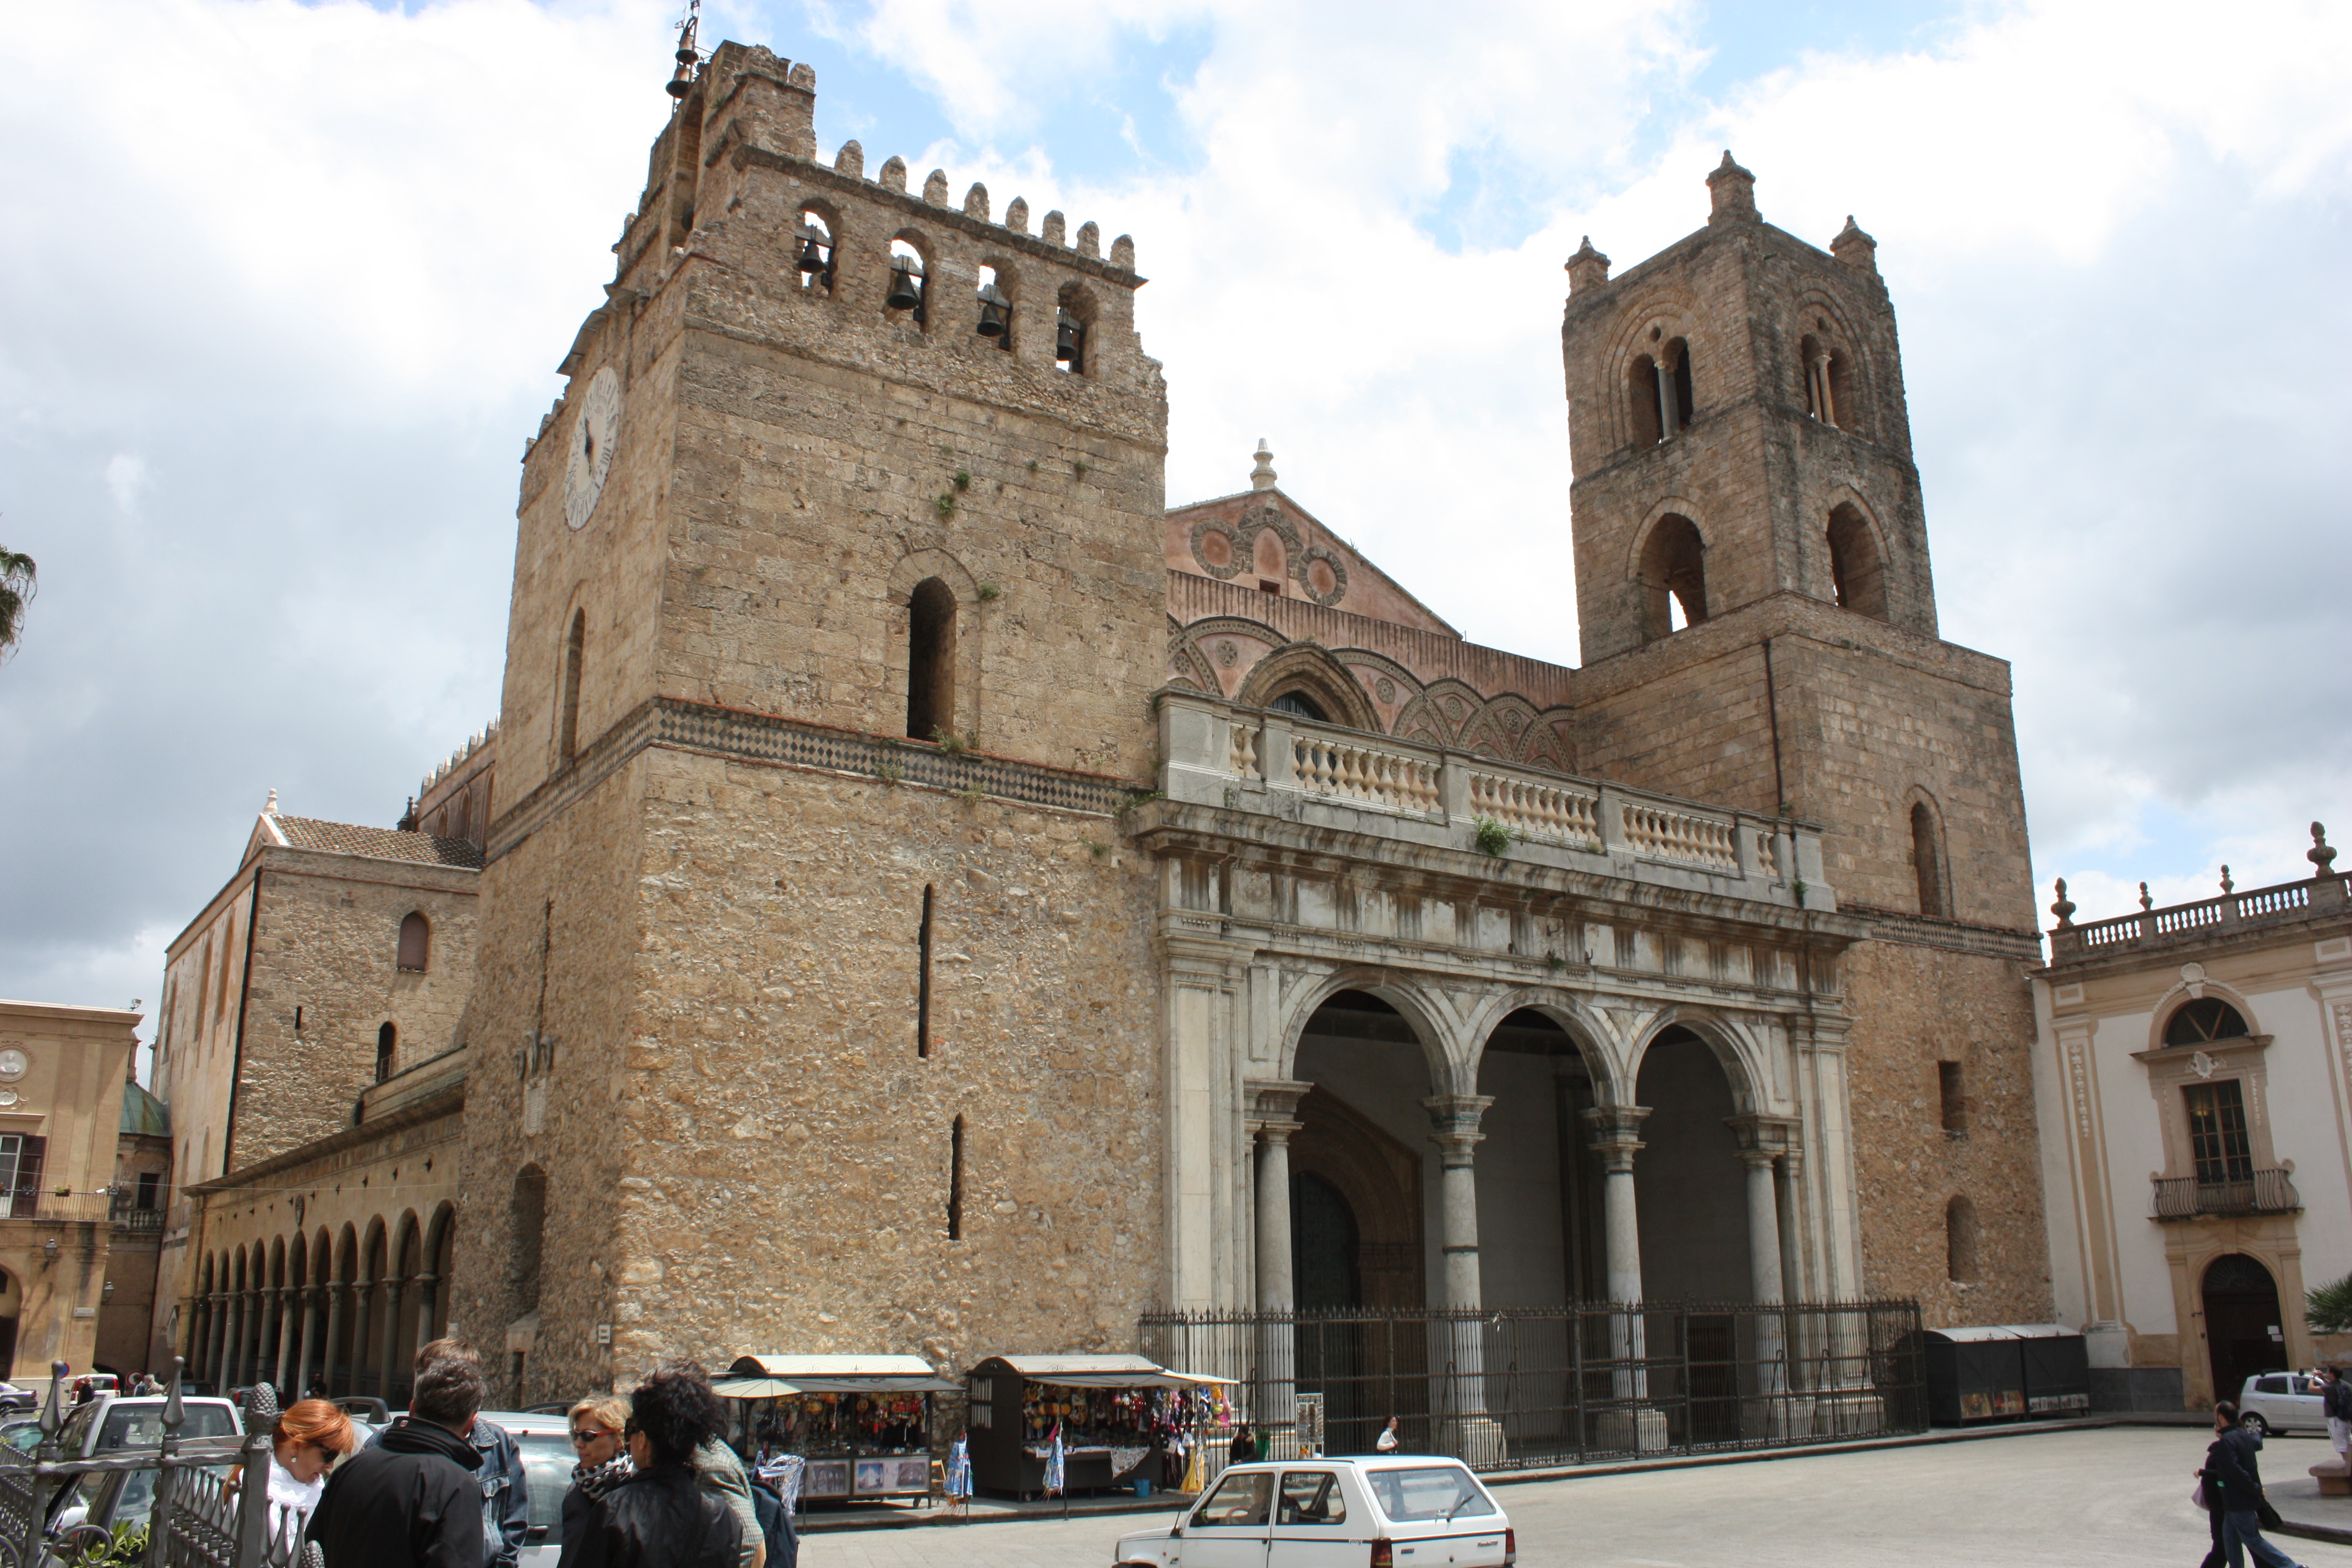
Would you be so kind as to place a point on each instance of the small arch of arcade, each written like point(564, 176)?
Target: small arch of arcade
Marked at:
point(332, 1309)
point(1517, 1146)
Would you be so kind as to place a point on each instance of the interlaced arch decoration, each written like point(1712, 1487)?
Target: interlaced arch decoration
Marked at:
point(1312, 667)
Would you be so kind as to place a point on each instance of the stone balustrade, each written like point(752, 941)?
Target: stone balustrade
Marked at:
point(1264, 760)
point(2202, 918)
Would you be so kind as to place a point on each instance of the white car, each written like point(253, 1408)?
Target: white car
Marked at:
point(1397, 1513)
point(2282, 1402)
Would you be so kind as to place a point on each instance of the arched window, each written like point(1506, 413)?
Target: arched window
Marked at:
point(1927, 860)
point(576, 654)
point(930, 661)
point(2203, 1020)
point(1960, 1241)
point(1298, 703)
point(1674, 577)
point(1641, 400)
point(814, 264)
point(387, 1048)
point(909, 282)
point(528, 1214)
point(1828, 375)
point(1677, 361)
point(1073, 325)
point(1857, 572)
point(996, 321)
point(416, 942)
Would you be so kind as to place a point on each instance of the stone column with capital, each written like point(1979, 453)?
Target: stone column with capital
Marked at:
point(426, 1304)
point(1636, 1426)
point(328, 1372)
point(283, 1338)
point(1273, 1102)
point(390, 1336)
point(1461, 1394)
point(303, 1364)
point(1762, 1141)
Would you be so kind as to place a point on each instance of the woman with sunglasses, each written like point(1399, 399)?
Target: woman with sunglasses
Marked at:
point(311, 1435)
point(600, 1456)
point(660, 1516)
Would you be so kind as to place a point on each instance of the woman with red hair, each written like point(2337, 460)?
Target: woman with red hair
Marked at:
point(311, 1435)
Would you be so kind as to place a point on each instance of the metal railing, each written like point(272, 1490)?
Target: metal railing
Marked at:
point(2260, 1192)
point(1527, 1388)
point(194, 1518)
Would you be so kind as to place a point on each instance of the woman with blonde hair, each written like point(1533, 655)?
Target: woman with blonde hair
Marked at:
point(311, 1435)
point(602, 1454)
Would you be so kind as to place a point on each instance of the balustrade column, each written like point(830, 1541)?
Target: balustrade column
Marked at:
point(391, 1333)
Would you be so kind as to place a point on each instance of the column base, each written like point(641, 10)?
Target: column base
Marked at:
point(1849, 1413)
point(1476, 1440)
point(1641, 1430)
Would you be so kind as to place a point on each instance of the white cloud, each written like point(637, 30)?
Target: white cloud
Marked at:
point(126, 476)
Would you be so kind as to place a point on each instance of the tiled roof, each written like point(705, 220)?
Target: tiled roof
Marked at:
point(377, 843)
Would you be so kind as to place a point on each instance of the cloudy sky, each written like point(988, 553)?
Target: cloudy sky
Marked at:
point(283, 286)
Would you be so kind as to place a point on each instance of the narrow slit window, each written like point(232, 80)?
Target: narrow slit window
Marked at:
point(1927, 860)
point(575, 653)
point(1960, 1241)
point(923, 979)
point(955, 1179)
point(1952, 1092)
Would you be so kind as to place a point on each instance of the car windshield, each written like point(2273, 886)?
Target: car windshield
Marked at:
point(547, 1476)
point(24, 1437)
point(1433, 1491)
point(140, 1424)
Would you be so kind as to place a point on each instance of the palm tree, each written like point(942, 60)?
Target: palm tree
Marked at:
point(16, 583)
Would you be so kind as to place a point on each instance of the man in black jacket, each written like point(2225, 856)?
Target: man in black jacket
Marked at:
point(412, 1500)
point(2232, 1461)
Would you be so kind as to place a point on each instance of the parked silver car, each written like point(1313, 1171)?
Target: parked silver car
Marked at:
point(2282, 1402)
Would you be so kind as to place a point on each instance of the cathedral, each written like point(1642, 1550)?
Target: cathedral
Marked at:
point(925, 893)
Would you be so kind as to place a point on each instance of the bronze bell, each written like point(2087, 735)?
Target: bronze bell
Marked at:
point(682, 81)
point(905, 286)
point(994, 308)
point(1069, 337)
point(812, 253)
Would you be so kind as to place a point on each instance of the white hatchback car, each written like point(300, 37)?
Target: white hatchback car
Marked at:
point(2282, 1402)
point(1397, 1513)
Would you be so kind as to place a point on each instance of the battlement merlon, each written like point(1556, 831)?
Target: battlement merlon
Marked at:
point(751, 110)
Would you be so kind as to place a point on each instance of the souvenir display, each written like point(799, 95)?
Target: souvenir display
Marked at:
point(857, 1444)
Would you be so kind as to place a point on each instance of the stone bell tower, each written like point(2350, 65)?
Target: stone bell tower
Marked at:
point(1738, 429)
point(1758, 628)
point(837, 609)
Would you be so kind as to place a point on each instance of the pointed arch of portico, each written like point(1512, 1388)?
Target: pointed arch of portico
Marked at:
point(1584, 1024)
point(1313, 669)
point(1735, 1049)
point(1427, 1011)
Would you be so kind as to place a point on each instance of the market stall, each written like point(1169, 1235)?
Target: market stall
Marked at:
point(1122, 1419)
point(861, 1424)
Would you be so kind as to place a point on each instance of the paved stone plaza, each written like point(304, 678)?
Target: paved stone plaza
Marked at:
point(2117, 1496)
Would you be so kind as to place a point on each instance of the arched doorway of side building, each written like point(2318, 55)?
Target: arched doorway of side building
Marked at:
point(2245, 1333)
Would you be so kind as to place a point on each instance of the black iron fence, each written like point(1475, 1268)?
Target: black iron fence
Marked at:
point(200, 1502)
point(1519, 1388)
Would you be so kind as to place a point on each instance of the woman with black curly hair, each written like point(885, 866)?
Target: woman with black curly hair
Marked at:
point(661, 1517)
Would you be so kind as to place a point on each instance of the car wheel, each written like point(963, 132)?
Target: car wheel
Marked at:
point(2254, 1424)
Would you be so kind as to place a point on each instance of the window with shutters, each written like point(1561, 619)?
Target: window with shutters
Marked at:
point(2217, 1131)
point(21, 1155)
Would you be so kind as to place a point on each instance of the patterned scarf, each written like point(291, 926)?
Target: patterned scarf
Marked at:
point(595, 1480)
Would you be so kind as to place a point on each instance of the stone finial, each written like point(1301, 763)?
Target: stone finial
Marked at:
point(1050, 231)
point(2064, 908)
point(269, 807)
point(1733, 190)
point(935, 187)
point(1016, 217)
point(2227, 885)
point(803, 75)
point(1261, 476)
point(1855, 249)
point(894, 174)
point(975, 202)
point(2321, 854)
point(1089, 239)
point(2146, 902)
point(1122, 252)
point(1588, 267)
point(850, 161)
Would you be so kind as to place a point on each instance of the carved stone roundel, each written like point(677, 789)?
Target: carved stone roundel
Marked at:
point(1219, 553)
point(1385, 690)
point(594, 435)
point(1321, 574)
point(1227, 652)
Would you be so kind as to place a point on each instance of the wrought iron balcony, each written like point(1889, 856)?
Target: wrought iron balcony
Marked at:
point(2263, 1192)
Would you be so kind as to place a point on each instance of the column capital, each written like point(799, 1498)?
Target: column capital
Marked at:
point(1616, 1131)
point(1454, 1123)
point(1274, 1104)
point(1763, 1139)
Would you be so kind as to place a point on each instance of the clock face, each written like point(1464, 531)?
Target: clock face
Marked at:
point(593, 434)
point(13, 1063)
